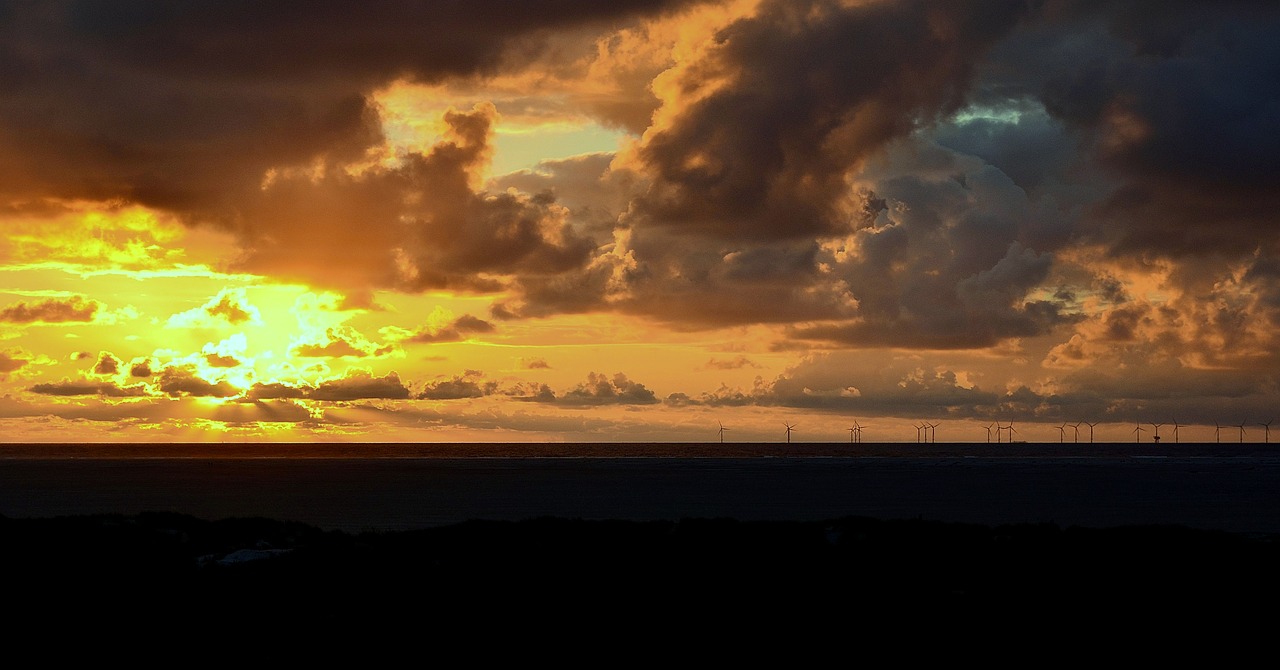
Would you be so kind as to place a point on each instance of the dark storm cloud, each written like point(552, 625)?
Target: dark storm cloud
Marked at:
point(585, 184)
point(817, 195)
point(184, 106)
point(946, 311)
point(52, 310)
point(686, 283)
point(806, 91)
point(415, 226)
point(944, 261)
point(1027, 144)
point(1177, 100)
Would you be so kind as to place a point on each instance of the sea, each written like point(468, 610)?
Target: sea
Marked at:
point(358, 487)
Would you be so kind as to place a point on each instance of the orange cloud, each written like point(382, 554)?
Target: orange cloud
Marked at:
point(597, 390)
point(51, 310)
point(275, 390)
point(220, 361)
point(89, 387)
point(457, 329)
point(107, 364)
point(359, 386)
point(731, 364)
point(415, 225)
point(185, 381)
point(470, 384)
point(229, 307)
point(12, 360)
point(342, 342)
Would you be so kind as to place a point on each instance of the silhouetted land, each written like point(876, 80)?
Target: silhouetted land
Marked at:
point(733, 586)
point(173, 570)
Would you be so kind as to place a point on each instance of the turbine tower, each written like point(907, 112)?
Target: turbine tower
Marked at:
point(1217, 432)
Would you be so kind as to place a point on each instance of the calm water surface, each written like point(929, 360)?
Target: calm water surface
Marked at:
point(1234, 492)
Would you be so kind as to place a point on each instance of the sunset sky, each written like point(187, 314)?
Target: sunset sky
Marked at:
point(636, 220)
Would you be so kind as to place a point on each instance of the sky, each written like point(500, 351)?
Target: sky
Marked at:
point(639, 220)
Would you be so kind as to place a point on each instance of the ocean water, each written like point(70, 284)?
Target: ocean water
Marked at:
point(1235, 488)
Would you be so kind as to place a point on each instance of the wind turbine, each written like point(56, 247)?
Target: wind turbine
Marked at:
point(1011, 431)
point(1156, 436)
point(933, 428)
point(1176, 426)
point(1090, 425)
point(1062, 433)
point(1076, 427)
point(722, 429)
point(988, 427)
point(1138, 430)
point(1241, 427)
point(858, 433)
point(789, 427)
point(920, 427)
point(1217, 432)
point(1266, 431)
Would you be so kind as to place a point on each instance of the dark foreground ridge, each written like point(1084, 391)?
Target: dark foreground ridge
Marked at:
point(163, 568)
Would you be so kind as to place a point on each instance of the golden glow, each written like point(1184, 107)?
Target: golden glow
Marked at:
point(574, 314)
point(413, 121)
